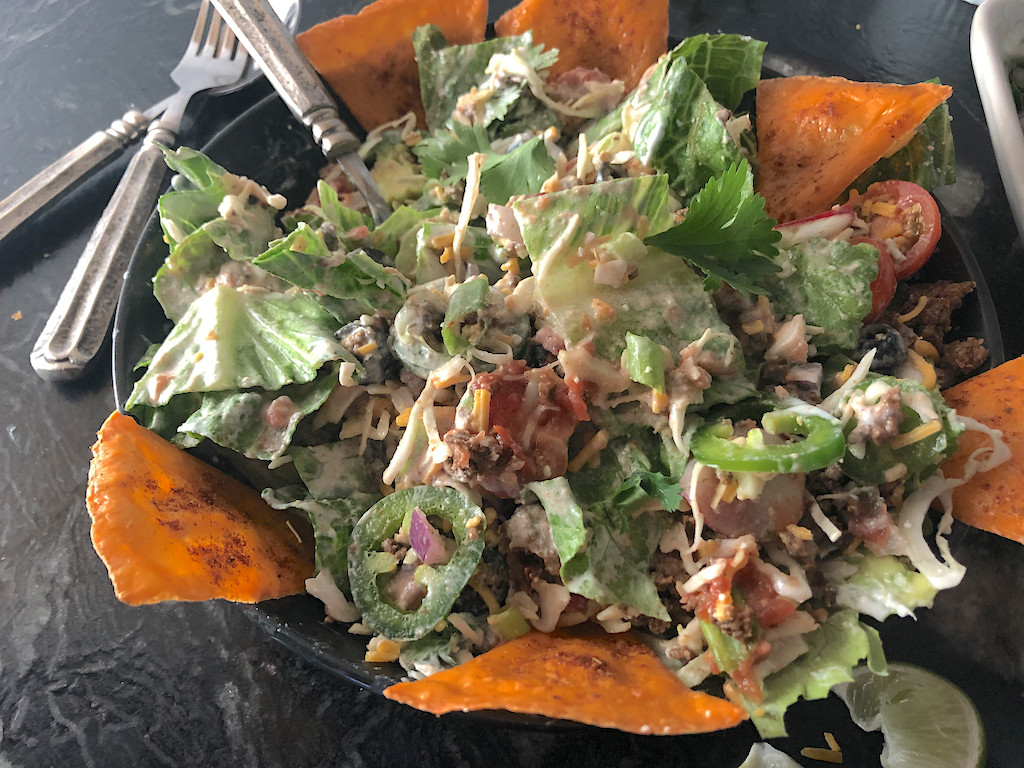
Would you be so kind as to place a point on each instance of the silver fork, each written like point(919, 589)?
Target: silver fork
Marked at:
point(78, 325)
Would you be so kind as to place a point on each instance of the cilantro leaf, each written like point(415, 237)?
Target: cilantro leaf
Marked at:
point(446, 151)
point(643, 485)
point(726, 233)
point(521, 172)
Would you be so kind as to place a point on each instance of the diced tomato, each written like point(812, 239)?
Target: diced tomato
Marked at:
point(905, 213)
point(883, 287)
point(770, 609)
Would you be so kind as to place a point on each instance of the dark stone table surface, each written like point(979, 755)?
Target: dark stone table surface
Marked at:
point(85, 680)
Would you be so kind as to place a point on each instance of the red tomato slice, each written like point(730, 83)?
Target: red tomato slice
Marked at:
point(883, 287)
point(905, 213)
point(769, 608)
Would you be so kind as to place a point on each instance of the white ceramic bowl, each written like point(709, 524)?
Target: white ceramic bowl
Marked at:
point(997, 42)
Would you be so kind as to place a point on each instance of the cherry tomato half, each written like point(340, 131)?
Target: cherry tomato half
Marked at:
point(883, 287)
point(905, 213)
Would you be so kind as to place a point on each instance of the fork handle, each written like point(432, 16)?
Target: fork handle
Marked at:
point(78, 325)
point(61, 177)
point(293, 77)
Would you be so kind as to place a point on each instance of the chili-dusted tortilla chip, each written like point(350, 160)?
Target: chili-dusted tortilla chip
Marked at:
point(612, 681)
point(622, 39)
point(368, 58)
point(993, 500)
point(816, 135)
point(169, 527)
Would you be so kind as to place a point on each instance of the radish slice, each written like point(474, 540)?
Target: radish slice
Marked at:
point(827, 225)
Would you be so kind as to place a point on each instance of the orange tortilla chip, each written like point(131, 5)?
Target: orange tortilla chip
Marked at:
point(816, 135)
point(169, 527)
point(612, 681)
point(622, 39)
point(993, 500)
point(367, 59)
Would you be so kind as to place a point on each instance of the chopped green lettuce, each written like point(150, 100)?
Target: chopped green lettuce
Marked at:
point(602, 559)
point(336, 470)
point(829, 283)
point(662, 299)
point(834, 649)
point(677, 128)
point(729, 65)
point(244, 421)
point(207, 222)
point(332, 521)
point(448, 71)
point(233, 339)
point(304, 260)
point(879, 586)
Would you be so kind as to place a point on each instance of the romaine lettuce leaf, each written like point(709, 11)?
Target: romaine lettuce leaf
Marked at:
point(398, 229)
point(602, 559)
point(662, 299)
point(336, 470)
point(729, 65)
point(448, 71)
point(332, 521)
point(676, 127)
point(239, 420)
point(303, 259)
point(834, 649)
point(166, 419)
point(829, 283)
point(231, 339)
point(201, 239)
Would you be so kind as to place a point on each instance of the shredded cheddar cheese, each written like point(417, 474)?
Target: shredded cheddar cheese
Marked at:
point(926, 349)
point(402, 419)
point(594, 446)
point(918, 433)
point(917, 310)
point(481, 409)
point(928, 376)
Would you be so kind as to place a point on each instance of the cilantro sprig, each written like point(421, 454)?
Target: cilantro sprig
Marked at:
point(445, 153)
point(726, 233)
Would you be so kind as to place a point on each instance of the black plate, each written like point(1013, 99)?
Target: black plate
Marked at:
point(267, 144)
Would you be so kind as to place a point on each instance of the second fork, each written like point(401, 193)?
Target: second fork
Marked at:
point(78, 325)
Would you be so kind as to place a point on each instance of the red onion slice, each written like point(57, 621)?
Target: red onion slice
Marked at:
point(426, 542)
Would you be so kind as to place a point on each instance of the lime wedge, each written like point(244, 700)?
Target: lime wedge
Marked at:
point(926, 720)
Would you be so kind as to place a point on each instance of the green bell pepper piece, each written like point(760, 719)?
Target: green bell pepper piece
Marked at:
point(645, 360)
point(443, 582)
point(823, 444)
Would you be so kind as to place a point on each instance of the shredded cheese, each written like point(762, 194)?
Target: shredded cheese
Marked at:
point(928, 377)
point(594, 446)
point(822, 755)
point(918, 433)
point(381, 650)
point(926, 349)
point(459, 622)
point(922, 302)
point(481, 409)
